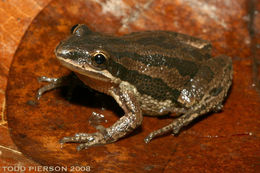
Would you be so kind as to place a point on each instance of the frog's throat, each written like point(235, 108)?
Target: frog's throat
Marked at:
point(103, 75)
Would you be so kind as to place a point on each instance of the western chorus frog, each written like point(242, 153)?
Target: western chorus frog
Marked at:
point(147, 73)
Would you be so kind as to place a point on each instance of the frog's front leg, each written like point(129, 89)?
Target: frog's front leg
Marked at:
point(126, 124)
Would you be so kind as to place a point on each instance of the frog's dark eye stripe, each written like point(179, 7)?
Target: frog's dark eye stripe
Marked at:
point(73, 28)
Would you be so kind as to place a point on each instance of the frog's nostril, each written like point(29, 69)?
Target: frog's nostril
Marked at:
point(61, 52)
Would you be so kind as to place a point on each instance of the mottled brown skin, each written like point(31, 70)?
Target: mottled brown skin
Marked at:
point(152, 73)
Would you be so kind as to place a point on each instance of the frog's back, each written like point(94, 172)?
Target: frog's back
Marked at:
point(159, 64)
point(172, 43)
point(169, 58)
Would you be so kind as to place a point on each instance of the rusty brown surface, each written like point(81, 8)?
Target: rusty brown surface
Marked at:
point(254, 28)
point(226, 141)
point(15, 17)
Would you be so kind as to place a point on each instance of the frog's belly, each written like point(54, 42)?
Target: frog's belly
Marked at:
point(153, 107)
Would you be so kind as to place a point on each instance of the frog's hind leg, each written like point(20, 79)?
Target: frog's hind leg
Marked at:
point(182, 121)
point(208, 104)
point(178, 123)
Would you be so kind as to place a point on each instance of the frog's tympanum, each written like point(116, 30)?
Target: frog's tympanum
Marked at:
point(148, 73)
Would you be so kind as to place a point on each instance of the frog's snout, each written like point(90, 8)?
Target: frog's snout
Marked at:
point(57, 50)
point(61, 51)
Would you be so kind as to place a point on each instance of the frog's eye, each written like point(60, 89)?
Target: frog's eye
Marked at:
point(100, 58)
point(80, 29)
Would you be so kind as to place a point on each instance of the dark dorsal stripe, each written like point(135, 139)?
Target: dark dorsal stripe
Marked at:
point(153, 87)
point(184, 67)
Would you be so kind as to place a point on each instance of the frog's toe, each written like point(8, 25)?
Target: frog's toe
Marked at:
point(78, 138)
point(83, 146)
point(218, 108)
point(68, 139)
point(176, 130)
point(86, 139)
point(148, 138)
point(174, 127)
point(47, 79)
point(45, 89)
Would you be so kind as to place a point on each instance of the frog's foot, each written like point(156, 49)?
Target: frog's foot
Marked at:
point(174, 127)
point(86, 139)
point(55, 83)
point(89, 139)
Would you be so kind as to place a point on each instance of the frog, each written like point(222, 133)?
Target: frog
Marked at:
point(148, 73)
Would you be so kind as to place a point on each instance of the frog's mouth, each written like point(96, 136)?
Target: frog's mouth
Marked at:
point(85, 69)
